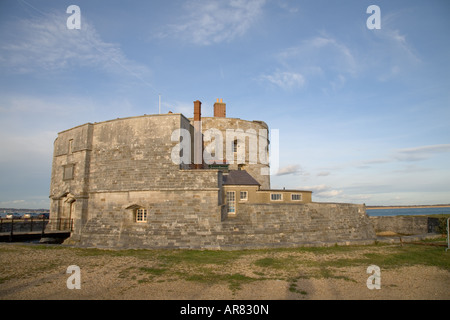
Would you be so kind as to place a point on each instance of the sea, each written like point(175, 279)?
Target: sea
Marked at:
point(408, 211)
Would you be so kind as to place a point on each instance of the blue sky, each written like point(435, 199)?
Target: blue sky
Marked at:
point(363, 115)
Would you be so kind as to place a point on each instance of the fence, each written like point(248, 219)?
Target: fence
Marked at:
point(34, 225)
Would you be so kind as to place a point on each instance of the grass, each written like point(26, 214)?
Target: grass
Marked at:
point(397, 256)
point(410, 255)
point(227, 267)
point(270, 263)
point(200, 257)
point(153, 271)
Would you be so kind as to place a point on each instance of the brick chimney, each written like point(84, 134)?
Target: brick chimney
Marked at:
point(220, 109)
point(197, 110)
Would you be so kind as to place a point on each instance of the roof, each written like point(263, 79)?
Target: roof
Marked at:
point(239, 177)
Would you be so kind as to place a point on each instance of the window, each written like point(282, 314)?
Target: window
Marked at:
point(231, 202)
point(68, 172)
point(235, 145)
point(243, 196)
point(70, 146)
point(276, 197)
point(296, 196)
point(141, 215)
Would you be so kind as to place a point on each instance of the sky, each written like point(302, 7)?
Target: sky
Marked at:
point(363, 113)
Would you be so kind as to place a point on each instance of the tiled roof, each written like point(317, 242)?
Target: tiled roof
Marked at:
point(239, 177)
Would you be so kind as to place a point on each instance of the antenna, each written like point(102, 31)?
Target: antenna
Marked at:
point(159, 103)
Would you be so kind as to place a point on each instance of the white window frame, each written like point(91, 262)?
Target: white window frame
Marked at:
point(300, 197)
point(240, 195)
point(276, 194)
point(141, 215)
point(231, 202)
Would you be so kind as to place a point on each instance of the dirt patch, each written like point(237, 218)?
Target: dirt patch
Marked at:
point(31, 272)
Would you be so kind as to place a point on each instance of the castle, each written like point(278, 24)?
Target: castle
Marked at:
point(167, 181)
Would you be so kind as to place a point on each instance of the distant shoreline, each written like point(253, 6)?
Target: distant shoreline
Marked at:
point(409, 207)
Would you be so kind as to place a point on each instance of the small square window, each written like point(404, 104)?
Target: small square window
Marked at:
point(276, 197)
point(243, 196)
point(141, 215)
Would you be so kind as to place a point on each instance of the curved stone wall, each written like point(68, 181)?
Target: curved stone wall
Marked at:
point(259, 170)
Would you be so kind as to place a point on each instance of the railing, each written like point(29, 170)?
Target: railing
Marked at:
point(60, 225)
point(448, 235)
point(35, 225)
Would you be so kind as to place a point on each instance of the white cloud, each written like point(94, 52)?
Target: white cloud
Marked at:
point(289, 6)
point(330, 193)
point(35, 202)
point(285, 80)
point(209, 22)
point(46, 44)
point(11, 202)
point(427, 149)
point(399, 43)
point(391, 54)
point(317, 188)
point(322, 53)
point(420, 153)
point(376, 161)
point(322, 57)
point(399, 155)
point(291, 169)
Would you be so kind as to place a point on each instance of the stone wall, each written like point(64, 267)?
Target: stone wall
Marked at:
point(134, 153)
point(195, 223)
point(175, 219)
point(269, 225)
point(72, 148)
point(407, 225)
